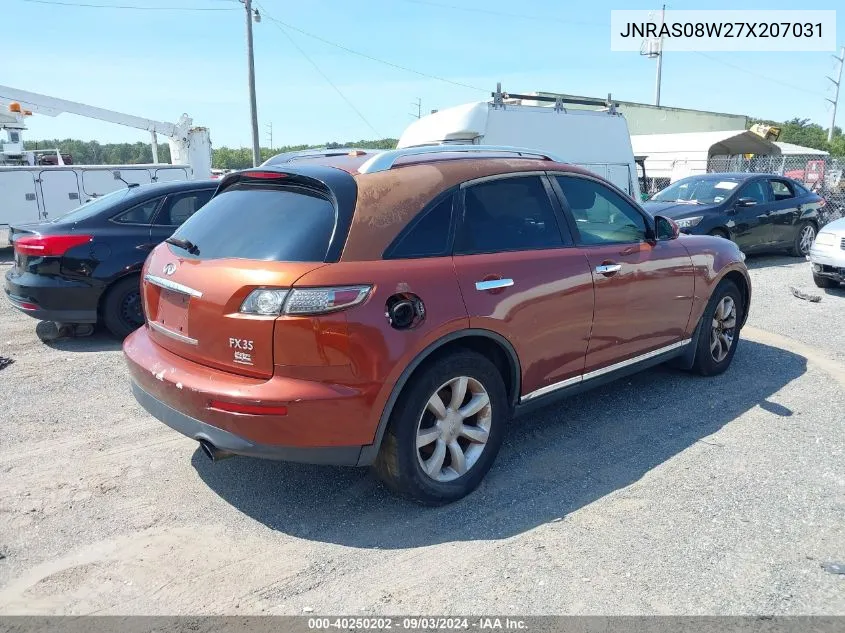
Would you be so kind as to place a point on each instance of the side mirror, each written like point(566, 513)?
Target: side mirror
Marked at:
point(666, 228)
point(746, 202)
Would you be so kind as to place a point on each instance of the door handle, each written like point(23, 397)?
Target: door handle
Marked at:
point(608, 269)
point(493, 284)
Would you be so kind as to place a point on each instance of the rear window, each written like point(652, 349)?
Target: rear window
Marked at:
point(290, 224)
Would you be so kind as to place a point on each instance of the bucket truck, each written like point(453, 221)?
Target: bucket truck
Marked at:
point(31, 192)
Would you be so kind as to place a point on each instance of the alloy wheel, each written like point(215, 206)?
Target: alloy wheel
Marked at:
point(808, 234)
point(454, 428)
point(723, 329)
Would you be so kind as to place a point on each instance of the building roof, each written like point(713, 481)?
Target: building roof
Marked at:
point(706, 144)
point(791, 149)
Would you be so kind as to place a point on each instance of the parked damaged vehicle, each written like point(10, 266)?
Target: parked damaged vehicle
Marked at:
point(759, 212)
point(827, 255)
point(397, 309)
point(84, 267)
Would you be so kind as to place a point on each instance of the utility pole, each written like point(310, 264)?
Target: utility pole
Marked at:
point(253, 109)
point(417, 103)
point(835, 99)
point(659, 58)
point(270, 134)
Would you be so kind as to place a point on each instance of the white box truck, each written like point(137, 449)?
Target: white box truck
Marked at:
point(597, 140)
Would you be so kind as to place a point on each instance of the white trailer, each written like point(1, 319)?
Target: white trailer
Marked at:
point(33, 193)
point(597, 140)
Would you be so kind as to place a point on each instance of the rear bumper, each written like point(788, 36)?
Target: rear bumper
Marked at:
point(229, 442)
point(50, 299)
point(325, 423)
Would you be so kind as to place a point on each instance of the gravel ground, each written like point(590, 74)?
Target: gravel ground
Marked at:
point(662, 493)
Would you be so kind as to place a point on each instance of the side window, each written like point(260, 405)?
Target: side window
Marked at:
point(755, 191)
point(180, 206)
point(601, 215)
point(139, 214)
point(508, 214)
point(781, 190)
point(427, 236)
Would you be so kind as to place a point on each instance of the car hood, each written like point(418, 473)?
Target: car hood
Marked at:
point(837, 226)
point(676, 209)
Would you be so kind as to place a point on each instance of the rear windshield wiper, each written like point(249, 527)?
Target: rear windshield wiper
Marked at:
point(186, 244)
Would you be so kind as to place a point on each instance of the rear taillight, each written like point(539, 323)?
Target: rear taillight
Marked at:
point(303, 301)
point(49, 245)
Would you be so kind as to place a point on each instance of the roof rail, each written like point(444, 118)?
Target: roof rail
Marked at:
point(287, 157)
point(385, 160)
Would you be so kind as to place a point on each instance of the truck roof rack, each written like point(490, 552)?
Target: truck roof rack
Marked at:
point(499, 100)
point(385, 160)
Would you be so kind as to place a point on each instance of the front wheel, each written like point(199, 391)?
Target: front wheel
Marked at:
point(719, 330)
point(804, 239)
point(445, 430)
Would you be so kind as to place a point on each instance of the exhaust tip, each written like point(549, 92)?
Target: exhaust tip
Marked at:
point(212, 452)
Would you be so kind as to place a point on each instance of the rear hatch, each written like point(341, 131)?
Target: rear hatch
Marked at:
point(263, 229)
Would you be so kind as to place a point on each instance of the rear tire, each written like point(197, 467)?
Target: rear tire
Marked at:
point(122, 312)
point(445, 430)
point(804, 237)
point(825, 282)
point(719, 330)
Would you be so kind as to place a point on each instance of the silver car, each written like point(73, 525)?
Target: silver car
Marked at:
point(827, 254)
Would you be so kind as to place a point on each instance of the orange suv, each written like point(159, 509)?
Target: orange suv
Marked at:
point(398, 308)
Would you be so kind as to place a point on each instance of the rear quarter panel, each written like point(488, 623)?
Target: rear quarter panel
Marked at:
point(359, 346)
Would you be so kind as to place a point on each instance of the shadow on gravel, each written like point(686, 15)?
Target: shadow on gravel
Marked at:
point(7, 256)
point(99, 341)
point(552, 463)
point(774, 260)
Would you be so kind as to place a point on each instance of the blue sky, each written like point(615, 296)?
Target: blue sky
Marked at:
point(159, 64)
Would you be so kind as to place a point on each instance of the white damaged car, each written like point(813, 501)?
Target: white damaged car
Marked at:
point(827, 254)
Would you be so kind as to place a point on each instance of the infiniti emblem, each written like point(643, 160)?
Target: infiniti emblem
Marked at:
point(170, 268)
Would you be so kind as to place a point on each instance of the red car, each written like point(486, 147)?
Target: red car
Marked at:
point(398, 308)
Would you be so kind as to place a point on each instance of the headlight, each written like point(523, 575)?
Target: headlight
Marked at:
point(688, 223)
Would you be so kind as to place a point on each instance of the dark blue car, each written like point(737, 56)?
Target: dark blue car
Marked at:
point(760, 212)
point(84, 267)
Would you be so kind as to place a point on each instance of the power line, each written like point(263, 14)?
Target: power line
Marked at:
point(374, 59)
point(86, 5)
point(276, 23)
point(502, 13)
point(756, 74)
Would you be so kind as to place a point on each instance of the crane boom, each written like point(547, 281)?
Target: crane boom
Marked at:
point(52, 106)
point(188, 144)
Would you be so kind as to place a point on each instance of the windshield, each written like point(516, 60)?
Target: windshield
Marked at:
point(697, 191)
point(93, 207)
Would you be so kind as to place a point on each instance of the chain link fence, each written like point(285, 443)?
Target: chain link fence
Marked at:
point(823, 175)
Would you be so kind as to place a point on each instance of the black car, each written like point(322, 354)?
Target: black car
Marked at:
point(84, 266)
point(757, 211)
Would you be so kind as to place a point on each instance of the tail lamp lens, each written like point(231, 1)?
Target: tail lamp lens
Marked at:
point(321, 300)
point(49, 245)
point(266, 301)
point(276, 301)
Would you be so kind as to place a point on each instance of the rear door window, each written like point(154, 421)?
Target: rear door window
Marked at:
point(139, 214)
point(180, 206)
point(781, 190)
point(508, 214)
point(293, 224)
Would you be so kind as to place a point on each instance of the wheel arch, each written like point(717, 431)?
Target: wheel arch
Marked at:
point(744, 286)
point(107, 288)
point(486, 342)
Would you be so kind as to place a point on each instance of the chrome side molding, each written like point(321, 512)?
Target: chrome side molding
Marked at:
point(542, 391)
